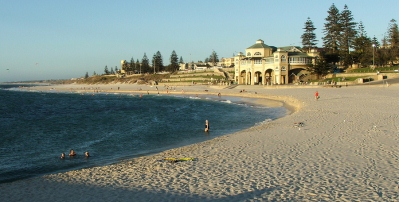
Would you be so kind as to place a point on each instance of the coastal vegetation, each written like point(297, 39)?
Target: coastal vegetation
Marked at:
point(346, 48)
point(109, 79)
point(346, 45)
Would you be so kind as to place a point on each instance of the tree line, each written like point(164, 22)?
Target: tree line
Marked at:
point(345, 43)
point(157, 64)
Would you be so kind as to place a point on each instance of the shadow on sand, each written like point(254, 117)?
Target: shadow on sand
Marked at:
point(44, 190)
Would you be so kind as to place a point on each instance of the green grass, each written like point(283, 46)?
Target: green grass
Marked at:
point(190, 81)
point(214, 77)
point(199, 75)
point(339, 79)
point(199, 72)
point(369, 70)
point(112, 78)
point(202, 77)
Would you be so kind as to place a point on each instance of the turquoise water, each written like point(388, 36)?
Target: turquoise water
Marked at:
point(36, 127)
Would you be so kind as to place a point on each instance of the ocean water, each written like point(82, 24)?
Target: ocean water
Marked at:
point(36, 127)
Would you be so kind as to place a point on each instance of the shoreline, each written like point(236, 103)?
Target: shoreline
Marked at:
point(290, 103)
point(340, 153)
point(258, 101)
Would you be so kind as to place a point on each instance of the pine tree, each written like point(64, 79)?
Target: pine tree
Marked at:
point(86, 75)
point(160, 66)
point(138, 66)
point(321, 68)
point(157, 62)
point(332, 31)
point(377, 54)
point(393, 41)
point(106, 71)
point(309, 37)
point(145, 66)
point(213, 58)
point(362, 47)
point(383, 52)
point(375, 42)
point(348, 35)
point(174, 65)
point(181, 61)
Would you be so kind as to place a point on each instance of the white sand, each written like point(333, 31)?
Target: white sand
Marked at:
point(346, 151)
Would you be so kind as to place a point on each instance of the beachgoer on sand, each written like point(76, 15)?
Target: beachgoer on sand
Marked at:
point(316, 95)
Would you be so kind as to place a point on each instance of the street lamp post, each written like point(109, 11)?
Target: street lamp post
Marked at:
point(373, 54)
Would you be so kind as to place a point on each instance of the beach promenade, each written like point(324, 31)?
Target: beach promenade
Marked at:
point(346, 150)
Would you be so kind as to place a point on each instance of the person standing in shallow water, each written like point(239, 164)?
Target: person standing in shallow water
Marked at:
point(206, 126)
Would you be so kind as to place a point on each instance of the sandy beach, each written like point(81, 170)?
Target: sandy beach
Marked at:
point(346, 150)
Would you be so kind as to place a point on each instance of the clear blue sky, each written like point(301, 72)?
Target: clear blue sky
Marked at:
point(50, 39)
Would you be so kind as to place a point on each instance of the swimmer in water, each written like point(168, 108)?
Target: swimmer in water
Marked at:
point(72, 153)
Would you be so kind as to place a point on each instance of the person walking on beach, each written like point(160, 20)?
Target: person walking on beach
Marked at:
point(206, 126)
point(316, 95)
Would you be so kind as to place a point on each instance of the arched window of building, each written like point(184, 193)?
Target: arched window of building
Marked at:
point(258, 53)
point(283, 59)
point(276, 68)
point(283, 68)
point(248, 54)
point(276, 58)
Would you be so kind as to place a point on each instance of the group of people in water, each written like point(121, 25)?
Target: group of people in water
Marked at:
point(72, 153)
